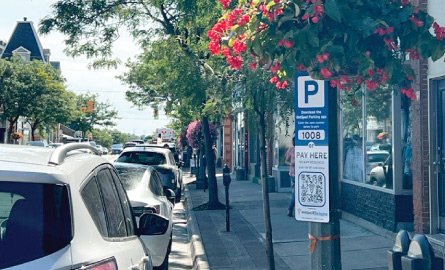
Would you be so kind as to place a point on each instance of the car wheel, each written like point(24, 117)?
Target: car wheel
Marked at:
point(373, 182)
point(178, 195)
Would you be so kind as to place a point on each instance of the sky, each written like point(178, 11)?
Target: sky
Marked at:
point(80, 79)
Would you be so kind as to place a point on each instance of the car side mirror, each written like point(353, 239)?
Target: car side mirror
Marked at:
point(380, 164)
point(170, 194)
point(152, 224)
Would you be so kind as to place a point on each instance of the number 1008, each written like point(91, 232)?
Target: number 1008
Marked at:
point(311, 135)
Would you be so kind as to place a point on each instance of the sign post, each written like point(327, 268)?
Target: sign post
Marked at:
point(316, 168)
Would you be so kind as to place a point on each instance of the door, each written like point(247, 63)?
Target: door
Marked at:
point(441, 151)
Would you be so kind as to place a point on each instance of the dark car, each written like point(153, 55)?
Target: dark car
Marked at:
point(161, 159)
point(117, 148)
point(170, 146)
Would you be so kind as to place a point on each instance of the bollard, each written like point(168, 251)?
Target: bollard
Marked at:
point(419, 256)
point(226, 182)
point(399, 249)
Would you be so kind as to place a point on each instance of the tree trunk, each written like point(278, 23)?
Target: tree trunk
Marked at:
point(33, 130)
point(12, 121)
point(210, 162)
point(265, 186)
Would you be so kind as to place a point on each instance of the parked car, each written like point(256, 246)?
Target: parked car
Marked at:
point(374, 159)
point(161, 159)
point(382, 175)
point(116, 148)
point(65, 209)
point(170, 146)
point(55, 145)
point(41, 143)
point(145, 191)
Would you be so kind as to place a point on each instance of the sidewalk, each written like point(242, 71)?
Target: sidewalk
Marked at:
point(243, 247)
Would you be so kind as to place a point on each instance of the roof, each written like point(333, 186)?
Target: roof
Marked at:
point(146, 148)
point(33, 164)
point(25, 36)
point(25, 154)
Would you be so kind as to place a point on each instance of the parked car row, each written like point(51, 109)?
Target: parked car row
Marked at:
point(73, 210)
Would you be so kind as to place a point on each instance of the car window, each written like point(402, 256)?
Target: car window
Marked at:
point(172, 159)
point(155, 184)
point(130, 176)
point(113, 211)
point(146, 158)
point(377, 157)
point(35, 221)
point(125, 203)
point(93, 201)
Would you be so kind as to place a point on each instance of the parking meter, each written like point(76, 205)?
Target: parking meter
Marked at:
point(226, 182)
point(226, 176)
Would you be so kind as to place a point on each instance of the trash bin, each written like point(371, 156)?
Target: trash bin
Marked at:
point(240, 174)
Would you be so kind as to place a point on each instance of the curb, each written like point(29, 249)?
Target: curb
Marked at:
point(199, 258)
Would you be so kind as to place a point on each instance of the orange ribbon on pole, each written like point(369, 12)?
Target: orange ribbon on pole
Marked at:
point(314, 240)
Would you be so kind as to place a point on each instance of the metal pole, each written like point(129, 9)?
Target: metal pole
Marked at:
point(227, 209)
point(326, 254)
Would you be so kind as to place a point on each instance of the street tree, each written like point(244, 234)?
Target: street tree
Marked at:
point(102, 137)
point(92, 113)
point(354, 44)
point(92, 27)
point(260, 101)
point(22, 83)
point(185, 91)
point(55, 104)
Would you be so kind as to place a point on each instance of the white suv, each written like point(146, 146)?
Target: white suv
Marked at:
point(66, 209)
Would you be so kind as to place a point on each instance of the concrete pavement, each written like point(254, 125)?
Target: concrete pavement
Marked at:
point(243, 247)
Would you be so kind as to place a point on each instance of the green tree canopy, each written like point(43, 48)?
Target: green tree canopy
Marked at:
point(101, 115)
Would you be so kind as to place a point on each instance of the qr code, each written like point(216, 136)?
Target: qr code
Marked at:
point(312, 189)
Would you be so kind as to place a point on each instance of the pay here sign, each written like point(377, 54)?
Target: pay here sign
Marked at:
point(311, 149)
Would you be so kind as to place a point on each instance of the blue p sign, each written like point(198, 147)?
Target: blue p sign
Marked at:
point(311, 92)
point(310, 89)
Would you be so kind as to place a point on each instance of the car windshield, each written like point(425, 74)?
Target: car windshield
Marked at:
point(131, 176)
point(145, 158)
point(34, 218)
point(116, 146)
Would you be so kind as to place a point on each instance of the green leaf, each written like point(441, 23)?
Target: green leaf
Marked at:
point(437, 53)
point(332, 10)
point(313, 38)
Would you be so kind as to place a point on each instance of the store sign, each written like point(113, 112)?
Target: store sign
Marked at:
point(311, 149)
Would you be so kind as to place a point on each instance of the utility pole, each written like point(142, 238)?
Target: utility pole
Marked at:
point(317, 195)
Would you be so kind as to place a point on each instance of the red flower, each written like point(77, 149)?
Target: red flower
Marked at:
point(253, 66)
point(315, 19)
point(214, 47)
point(301, 67)
point(273, 80)
point(225, 3)
point(439, 31)
point(286, 43)
point(326, 73)
point(239, 46)
point(409, 92)
point(244, 20)
point(225, 51)
point(284, 85)
point(275, 68)
point(236, 62)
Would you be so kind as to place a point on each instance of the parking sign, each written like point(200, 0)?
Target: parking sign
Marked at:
point(311, 149)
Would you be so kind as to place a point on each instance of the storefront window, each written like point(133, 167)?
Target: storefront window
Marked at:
point(352, 126)
point(367, 137)
point(407, 151)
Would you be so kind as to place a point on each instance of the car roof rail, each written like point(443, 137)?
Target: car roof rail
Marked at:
point(61, 152)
